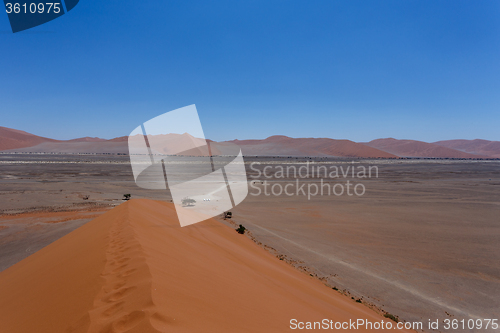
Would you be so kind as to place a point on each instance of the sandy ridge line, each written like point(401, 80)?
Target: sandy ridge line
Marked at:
point(125, 300)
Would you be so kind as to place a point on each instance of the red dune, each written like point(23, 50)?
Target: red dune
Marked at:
point(134, 269)
point(412, 148)
point(77, 147)
point(19, 141)
point(477, 146)
point(278, 145)
point(87, 139)
point(119, 139)
point(282, 146)
point(88, 145)
point(12, 139)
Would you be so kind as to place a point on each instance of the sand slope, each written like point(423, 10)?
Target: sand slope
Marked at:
point(134, 269)
point(12, 139)
point(76, 147)
point(413, 148)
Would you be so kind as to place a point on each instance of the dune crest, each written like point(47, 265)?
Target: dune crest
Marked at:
point(134, 269)
point(125, 299)
point(477, 146)
point(413, 148)
point(280, 145)
point(12, 139)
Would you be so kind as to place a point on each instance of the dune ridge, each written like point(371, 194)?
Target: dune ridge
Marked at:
point(414, 148)
point(280, 145)
point(125, 299)
point(477, 146)
point(15, 141)
point(12, 139)
point(134, 269)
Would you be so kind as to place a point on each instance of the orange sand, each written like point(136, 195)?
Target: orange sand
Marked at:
point(11, 139)
point(134, 269)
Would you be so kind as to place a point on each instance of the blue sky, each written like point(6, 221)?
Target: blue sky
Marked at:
point(358, 70)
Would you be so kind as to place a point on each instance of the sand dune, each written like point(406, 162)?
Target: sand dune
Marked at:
point(87, 139)
point(412, 148)
point(76, 147)
point(12, 139)
point(478, 146)
point(134, 269)
point(278, 145)
point(282, 146)
point(272, 146)
point(170, 144)
point(119, 139)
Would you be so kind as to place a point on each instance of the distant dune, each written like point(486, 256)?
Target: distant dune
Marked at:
point(478, 146)
point(135, 270)
point(12, 139)
point(119, 139)
point(285, 146)
point(77, 147)
point(278, 145)
point(87, 139)
point(412, 148)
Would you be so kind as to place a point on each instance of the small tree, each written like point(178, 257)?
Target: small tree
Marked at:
point(241, 229)
point(127, 196)
point(392, 317)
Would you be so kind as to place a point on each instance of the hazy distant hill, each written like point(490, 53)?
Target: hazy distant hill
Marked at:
point(285, 146)
point(412, 148)
point(12, 139)
point(76, 147)
point(167, 144)
point(87, 139)
point(19, 141)
point(477, 146)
